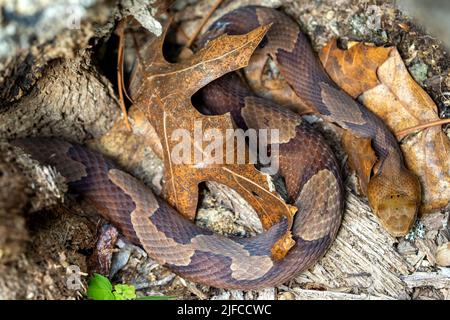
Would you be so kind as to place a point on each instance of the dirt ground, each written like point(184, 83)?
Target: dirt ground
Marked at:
point(60, 80)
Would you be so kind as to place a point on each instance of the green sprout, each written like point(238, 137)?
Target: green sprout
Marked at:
point(100, 288)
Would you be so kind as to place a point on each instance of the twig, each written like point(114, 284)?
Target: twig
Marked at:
point(185, 36)
point(120, 83)
point(205, 19)
point(401, 134)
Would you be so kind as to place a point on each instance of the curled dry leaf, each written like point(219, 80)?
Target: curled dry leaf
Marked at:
point(142, 132)
point(138, 151)
point(162, 91)
point(379, 79)
point(355, 69)
point(443, 255)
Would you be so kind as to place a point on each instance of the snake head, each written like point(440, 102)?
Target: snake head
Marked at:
point(395, 199)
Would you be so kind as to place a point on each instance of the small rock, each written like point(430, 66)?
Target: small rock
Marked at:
point(330, 15)
point(286, 296)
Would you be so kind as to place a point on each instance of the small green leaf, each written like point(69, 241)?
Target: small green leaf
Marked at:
point(124, 292)
point(100, 288)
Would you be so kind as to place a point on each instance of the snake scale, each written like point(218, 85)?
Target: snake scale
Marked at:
point(311, 172)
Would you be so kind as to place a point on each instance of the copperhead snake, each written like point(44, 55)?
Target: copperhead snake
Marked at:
point(311, 172)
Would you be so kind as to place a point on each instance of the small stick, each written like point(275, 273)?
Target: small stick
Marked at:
point(401, 134)
point(185, 36)
point(205, 19)
point(136, 48)
point(120, 82)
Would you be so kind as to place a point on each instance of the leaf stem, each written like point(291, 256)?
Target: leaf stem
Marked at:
point(401, 134)
point(205, 19)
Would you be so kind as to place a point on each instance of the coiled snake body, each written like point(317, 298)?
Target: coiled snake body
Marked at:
point(307, 164)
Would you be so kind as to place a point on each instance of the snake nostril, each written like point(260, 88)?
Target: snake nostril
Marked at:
point(255, 194)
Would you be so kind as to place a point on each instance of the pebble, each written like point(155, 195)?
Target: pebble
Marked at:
point(286, 296)
point(330, 15)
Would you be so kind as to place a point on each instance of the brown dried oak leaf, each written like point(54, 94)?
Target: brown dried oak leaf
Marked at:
point(378, 77)
point(163, 93)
